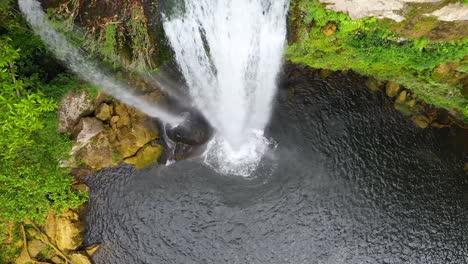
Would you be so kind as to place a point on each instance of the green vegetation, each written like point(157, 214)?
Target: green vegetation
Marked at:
point(32, 182)
point(331, 40)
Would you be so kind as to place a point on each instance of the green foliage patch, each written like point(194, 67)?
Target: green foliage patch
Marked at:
point(32, 180)
point(369, 48)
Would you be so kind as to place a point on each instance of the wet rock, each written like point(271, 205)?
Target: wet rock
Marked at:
point(325, 73)
point(73, 106)
point(374, 84)
point(411, 103)
point(146, 156)
point(421, 121)
point(79, 258)
point(91, 250)
point(195, 130)
point(104, 112)
point(392, 89)
point(329, 29)
point(65, 230)
point(132, 130)
point(401, 97)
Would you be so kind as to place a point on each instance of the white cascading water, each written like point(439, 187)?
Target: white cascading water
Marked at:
point(88, 71)
point(230, 53)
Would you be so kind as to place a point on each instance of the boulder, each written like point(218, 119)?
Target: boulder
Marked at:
point(65, 230)
point(73, 106)
point(104, 112)
point(35, 247)
point(401, 97)
point(79, 258)
point(195, 130)
point(329, 29)
point(421, 121)
point(356, 9)
point(452, 12)
point(411, 103)
point(91, 250)
point(146, 156)
point(392, 89)
point(373, 84)
point(99, 153)
point(23, 258)
point(86, 129)
point(132, 130)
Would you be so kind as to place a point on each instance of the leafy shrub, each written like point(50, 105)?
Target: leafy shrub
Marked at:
point(31, 180)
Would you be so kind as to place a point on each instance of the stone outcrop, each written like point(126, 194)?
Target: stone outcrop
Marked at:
point(113, 133)
point(104, 112)
point(59, 241)
point(392, 9)
point(145, 156)
point(452, 12)
point(73, 106)
point(65, 230)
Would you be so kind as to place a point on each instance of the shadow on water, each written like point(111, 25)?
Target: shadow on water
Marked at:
point(354, 182)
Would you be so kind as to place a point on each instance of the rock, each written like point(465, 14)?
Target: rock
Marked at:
point(325, 73)
point(91, 250)
point(123, 112)
point(65, 230)
point(392, 89)
point(373, 84)
point(79, 258)
point(452, 12)
point(402, 97)
point(86, 129)
point(99, 153)
point(23, 258)
point(132, 130)
point(376, 8)
point(195, 130)
point(35, 247)
point(421, 121)
point(73, 106)
point(57, 260)
point(411, 103)
point(81, 187)
point(104, 112)
point(146, 156)
point(329, 29)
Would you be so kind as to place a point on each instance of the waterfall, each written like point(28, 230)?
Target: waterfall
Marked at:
point(76, 61)
point(230, 52)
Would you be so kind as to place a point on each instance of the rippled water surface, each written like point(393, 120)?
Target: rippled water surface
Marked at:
point(354, 182)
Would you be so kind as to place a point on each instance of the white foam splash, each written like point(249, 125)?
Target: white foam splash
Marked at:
point(230, 52)
point(242, 161)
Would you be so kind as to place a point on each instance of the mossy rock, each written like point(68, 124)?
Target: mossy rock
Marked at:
point(145, 156)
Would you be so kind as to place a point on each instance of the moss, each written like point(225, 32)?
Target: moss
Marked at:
point(371, 48)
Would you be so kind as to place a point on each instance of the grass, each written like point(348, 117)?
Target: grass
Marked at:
point(370, 47)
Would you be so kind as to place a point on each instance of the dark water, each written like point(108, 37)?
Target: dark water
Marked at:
point(355, 182)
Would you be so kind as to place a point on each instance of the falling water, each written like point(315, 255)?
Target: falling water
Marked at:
point(88, 71)
point(230, 52)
